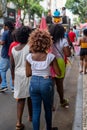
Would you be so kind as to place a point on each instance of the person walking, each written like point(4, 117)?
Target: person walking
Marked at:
point(75, 30)
point(38, 64)
point(72, 39)
point(20, 81)
point(83, 52)
point(60, 48)
point(14, 43)
point(49, 19)
point(6, 40)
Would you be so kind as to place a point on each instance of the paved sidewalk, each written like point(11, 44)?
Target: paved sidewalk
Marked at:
point(80, 119)
point(64, 118)
point(84, 102)
point(77, 124)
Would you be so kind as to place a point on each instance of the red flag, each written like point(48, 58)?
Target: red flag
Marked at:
point(18, 23)
point(43, 24)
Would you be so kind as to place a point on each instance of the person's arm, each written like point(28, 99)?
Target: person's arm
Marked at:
point(12, 67)
point(3, 38)
point(56, 67)
point(28, 69)
point(79, 43)
point(2, 42)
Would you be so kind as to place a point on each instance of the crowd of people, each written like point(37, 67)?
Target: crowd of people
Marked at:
point(36, 59)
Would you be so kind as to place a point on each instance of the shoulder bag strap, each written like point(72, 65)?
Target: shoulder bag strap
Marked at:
point(59, 51)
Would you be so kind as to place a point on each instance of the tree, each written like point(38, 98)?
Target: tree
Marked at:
point(28, 6)
point(78, 7)
point(2, 7)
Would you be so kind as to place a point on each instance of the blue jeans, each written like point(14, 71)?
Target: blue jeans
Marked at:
point(41, 89)
point(11, 85)
point(4, 65)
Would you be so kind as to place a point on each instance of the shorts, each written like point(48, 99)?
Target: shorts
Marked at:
point(83, 51)
point(71, 45)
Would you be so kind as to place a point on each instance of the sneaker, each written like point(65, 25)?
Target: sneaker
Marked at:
point(3, 89)
point(55, 128)
point(12, 90)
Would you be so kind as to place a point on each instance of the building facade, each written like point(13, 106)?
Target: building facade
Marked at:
point(53, 4)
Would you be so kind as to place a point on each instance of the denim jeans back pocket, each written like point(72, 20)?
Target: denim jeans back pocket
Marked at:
point(46, 85)
point(34, 86)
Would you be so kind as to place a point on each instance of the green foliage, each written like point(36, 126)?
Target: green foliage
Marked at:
point(36, 9)
point(29, 6)
point(78, 7)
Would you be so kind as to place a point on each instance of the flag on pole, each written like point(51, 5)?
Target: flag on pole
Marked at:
point(43, 25)
point(18, 22)
point(34, 24)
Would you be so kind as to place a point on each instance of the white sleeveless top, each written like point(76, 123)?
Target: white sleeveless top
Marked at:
point(41, 68)
point(21, 82)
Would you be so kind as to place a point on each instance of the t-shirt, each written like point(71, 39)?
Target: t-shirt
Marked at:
point(7, 39)
point(72, 36)
point(41, 68)
point(76, 32)
point(11, 46)
point(57, 48)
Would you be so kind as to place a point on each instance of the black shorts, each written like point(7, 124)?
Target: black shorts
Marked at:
point(83, 51)
point(71, 45)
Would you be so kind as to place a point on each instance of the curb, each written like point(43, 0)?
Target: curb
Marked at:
point(77, 124)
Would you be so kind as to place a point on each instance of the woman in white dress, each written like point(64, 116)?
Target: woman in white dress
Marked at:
point(20, 81)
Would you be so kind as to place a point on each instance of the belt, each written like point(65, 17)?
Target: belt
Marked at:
point(46, 77)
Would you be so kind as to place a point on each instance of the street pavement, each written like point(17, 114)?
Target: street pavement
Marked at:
point(84, 123)
point(64, 119)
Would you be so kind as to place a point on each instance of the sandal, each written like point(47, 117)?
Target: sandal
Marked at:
point(65, 103)
point(85, 72)
point(53, 108)
point(30, 118)
point(54, 128)
point(81, 71)
point(20, 127)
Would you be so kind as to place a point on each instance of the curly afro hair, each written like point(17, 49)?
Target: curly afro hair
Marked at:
point(40, 41)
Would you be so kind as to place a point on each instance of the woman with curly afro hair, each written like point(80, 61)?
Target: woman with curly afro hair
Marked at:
point(41, 85)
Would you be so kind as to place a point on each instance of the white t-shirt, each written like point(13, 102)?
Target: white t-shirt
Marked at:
point(57, 48)
point(41, 68)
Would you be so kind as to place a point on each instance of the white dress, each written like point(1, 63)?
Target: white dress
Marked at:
point(21, 82)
